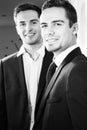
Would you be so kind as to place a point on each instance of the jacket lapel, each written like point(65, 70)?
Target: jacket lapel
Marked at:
point(68, 59)
point(21, 72)
point(46, 62)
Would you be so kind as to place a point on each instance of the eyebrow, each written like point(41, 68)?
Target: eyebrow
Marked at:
point(30, 20)
point(55, 21)
point(34, 20)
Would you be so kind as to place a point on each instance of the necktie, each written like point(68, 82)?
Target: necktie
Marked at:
point(50, 72)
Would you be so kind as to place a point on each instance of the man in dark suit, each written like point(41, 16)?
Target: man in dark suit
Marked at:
point(64, 102)
point(22, 75)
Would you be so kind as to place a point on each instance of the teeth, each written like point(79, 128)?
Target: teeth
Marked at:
point(51, 40)
point(29, 34)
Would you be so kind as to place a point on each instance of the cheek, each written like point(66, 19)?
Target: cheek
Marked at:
point(37, 28)
point(64, 35)
point(43, 34)
point(20, 31)
point(17, 29)
point(39, 31)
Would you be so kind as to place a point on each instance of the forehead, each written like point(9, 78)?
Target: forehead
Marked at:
point(54, 13)
point(27, 15)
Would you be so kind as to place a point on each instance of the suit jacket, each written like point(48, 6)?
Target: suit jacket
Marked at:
point(14, 111)
point(64, 103)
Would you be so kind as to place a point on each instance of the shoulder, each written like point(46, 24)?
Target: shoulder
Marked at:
point(10, 60)
point(10, 57)
point(79, 68)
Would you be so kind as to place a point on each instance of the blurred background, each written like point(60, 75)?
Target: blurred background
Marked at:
point(10, 41)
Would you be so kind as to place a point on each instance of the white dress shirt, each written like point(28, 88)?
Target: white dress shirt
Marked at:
point(32, 69)
point(59, 58)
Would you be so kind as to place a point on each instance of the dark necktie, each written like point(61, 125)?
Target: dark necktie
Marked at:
point(50, 72)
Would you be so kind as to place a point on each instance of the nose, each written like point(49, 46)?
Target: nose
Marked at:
point(29, 27)
point(51, 31)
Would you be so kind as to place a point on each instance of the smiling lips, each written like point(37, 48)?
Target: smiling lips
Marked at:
point(52, 39)
point(29, 34)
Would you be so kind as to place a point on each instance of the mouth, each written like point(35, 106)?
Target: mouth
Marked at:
point(52, 40)
point(30, 35)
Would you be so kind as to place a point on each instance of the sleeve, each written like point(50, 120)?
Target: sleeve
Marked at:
point(3, 115)
point(77, 96)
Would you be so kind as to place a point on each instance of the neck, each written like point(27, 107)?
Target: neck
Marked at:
point(72, 43)
point(33, 47)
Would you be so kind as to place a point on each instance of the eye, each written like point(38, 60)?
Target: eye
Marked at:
point(22, 24)
point(43, 26)
point(58, 24)
point(34, 22)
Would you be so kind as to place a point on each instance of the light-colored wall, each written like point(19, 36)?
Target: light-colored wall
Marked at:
point(81, 7)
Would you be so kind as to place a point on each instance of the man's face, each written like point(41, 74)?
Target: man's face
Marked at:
point(28, 27)
point(56, 32)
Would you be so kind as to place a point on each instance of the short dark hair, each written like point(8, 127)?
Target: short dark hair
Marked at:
point(25, 7)
point(71, 13)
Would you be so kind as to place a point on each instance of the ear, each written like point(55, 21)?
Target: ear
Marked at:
point(75, 28)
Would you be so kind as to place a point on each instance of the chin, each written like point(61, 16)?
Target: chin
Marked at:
point(49, 49)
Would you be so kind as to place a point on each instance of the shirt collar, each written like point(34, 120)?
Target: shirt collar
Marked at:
point(40, 51)
point(59, 59)
point(21, 51)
